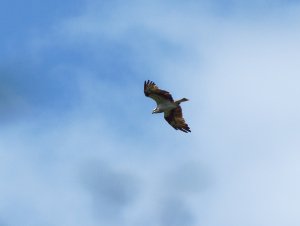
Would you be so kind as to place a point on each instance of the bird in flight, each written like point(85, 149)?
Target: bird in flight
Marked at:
point(165, 103)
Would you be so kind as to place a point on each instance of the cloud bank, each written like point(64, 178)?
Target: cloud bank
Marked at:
point(80, 147)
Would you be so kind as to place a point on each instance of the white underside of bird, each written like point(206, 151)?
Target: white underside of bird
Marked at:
point(165, 107)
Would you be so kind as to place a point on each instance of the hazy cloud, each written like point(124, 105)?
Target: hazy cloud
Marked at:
point(93, 154)
point(111, 191)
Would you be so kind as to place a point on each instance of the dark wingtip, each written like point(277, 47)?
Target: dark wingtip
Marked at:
point(148, 82)
point(185, 129)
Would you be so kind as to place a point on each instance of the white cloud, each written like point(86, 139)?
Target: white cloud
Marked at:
point(239, 166)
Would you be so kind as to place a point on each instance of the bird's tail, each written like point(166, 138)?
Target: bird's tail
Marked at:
point(181, 100)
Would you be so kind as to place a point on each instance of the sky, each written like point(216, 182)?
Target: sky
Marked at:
point(79, 145)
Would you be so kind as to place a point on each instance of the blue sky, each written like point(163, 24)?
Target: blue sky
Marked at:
point(78, 142)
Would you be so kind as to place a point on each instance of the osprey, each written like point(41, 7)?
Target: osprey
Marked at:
point(165, 103)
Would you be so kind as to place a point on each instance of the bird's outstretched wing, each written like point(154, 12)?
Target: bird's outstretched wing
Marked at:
point(152, 91)
point(176, 120)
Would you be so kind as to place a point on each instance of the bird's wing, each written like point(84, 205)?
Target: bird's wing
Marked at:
point(176, 120)
point(152, 91)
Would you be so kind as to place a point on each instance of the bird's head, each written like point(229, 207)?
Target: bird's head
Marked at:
point(156, 110)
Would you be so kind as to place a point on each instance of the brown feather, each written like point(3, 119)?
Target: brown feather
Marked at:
point(176, 120)
point(151, 90)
